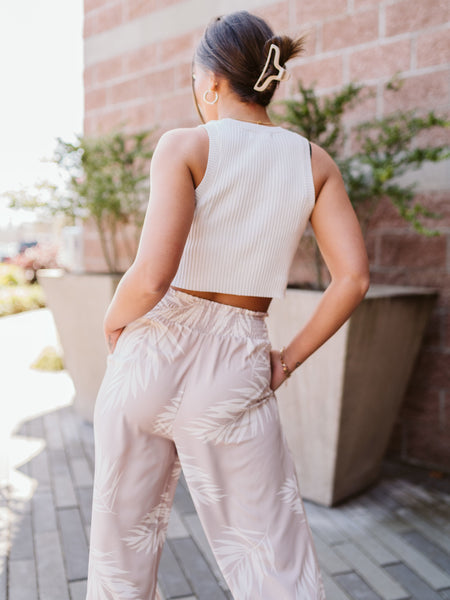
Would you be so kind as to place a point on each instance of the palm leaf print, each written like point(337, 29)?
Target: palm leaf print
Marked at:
point(106, 579)
point(245, 558)
point(164, 421)
point(153, 342)
point(201, 486)
point(176, 470)
point(106, 482)
point(190, 314)
point(230, 422)
point(244, 415)
point(310, 585)
point(290, 495)
point(150, 533)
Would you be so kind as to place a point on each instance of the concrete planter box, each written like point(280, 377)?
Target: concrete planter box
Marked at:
point(339, 408)
point(78, 303)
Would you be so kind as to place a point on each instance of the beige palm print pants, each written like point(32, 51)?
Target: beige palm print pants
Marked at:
point(188, 385)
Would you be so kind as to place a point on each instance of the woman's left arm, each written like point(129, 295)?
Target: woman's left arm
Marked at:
point(166, 225)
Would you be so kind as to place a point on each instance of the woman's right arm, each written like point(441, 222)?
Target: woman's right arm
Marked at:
point(339, 237)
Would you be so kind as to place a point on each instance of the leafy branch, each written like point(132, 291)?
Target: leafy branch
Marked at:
point(106, 181)
point(387, 148)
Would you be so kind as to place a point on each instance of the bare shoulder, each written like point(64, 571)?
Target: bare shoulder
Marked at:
point(323, 167)
point(182, 140)
point(187, 147)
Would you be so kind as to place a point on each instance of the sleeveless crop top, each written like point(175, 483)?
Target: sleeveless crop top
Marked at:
point(251, 209)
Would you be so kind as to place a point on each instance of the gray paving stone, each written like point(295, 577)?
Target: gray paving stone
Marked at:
point(3, 577)
point(82, 474)
point(353, 520)
point(70, 435)
point(419, 563)
point(4, 542)
point(74, 543)
point(78, 589)
point(332, 590)
point(427, 529)
point(22, 580)
point(171, 578)
point(43, 511)
point(417, 505)
point(64, 491)
point(50, 567)
point(58, 462)
point(84, 495)
point(183, 500)
point(69, 423)
point(39, 468)
point(385, 539)
point(373, 547)
point(329, 558)
point(36, 427)
point(356, 587)
point(319, 520)
point(416, 491)
point(21, 538)
point(438, 516)
point(87, 440)
point(176, 528)
point(198, 534)
point(432, 551)
point(416, 586)
point(19, 501)
point(376, 577)
point(53, 431)
point(196, 569)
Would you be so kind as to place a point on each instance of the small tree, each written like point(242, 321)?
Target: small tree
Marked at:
point(386, 149)
point(106, 181)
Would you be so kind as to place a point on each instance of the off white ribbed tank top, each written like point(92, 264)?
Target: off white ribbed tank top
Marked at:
point(251, 209)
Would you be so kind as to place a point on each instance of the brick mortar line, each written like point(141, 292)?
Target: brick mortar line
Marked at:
point(382, 22)
point(134, 75)
point(131, 103)
point(307, 24)
point(349, 50)
point(353, 49)
point(103, 6)
point(324, 90)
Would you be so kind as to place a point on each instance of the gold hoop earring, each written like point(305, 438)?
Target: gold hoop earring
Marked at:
point(205, 94)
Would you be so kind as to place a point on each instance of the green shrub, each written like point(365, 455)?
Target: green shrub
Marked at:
point(11, 275)
point(48, 360)
point(18, 298)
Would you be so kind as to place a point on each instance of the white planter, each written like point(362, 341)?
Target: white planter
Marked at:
point(339, 408)
point(78, 303)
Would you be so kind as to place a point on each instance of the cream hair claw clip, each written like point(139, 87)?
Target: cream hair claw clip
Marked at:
point(281, 75)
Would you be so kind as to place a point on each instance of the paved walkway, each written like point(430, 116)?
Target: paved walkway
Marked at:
point(391, 542)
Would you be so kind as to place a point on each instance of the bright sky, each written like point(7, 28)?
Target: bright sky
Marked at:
point(41, 65)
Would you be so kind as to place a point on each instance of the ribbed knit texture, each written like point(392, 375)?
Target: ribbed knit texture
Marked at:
point(252, 207)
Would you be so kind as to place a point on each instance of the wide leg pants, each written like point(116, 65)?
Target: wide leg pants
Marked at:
point(188, 385)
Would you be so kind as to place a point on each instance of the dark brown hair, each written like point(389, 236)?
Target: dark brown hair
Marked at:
point(236, 46)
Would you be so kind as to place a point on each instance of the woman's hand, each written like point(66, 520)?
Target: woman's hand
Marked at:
point(278, 376)
point(112, 335)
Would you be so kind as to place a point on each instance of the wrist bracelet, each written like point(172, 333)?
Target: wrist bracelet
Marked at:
point(284, 366)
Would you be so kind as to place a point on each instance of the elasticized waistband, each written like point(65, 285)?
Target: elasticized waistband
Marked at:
point(209, 316)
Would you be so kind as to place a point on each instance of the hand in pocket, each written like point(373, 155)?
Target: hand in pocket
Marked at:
point(278, 375)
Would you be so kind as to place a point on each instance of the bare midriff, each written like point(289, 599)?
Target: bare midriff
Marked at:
point(255, 303)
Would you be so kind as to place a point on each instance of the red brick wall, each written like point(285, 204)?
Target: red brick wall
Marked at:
point(348, 40)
